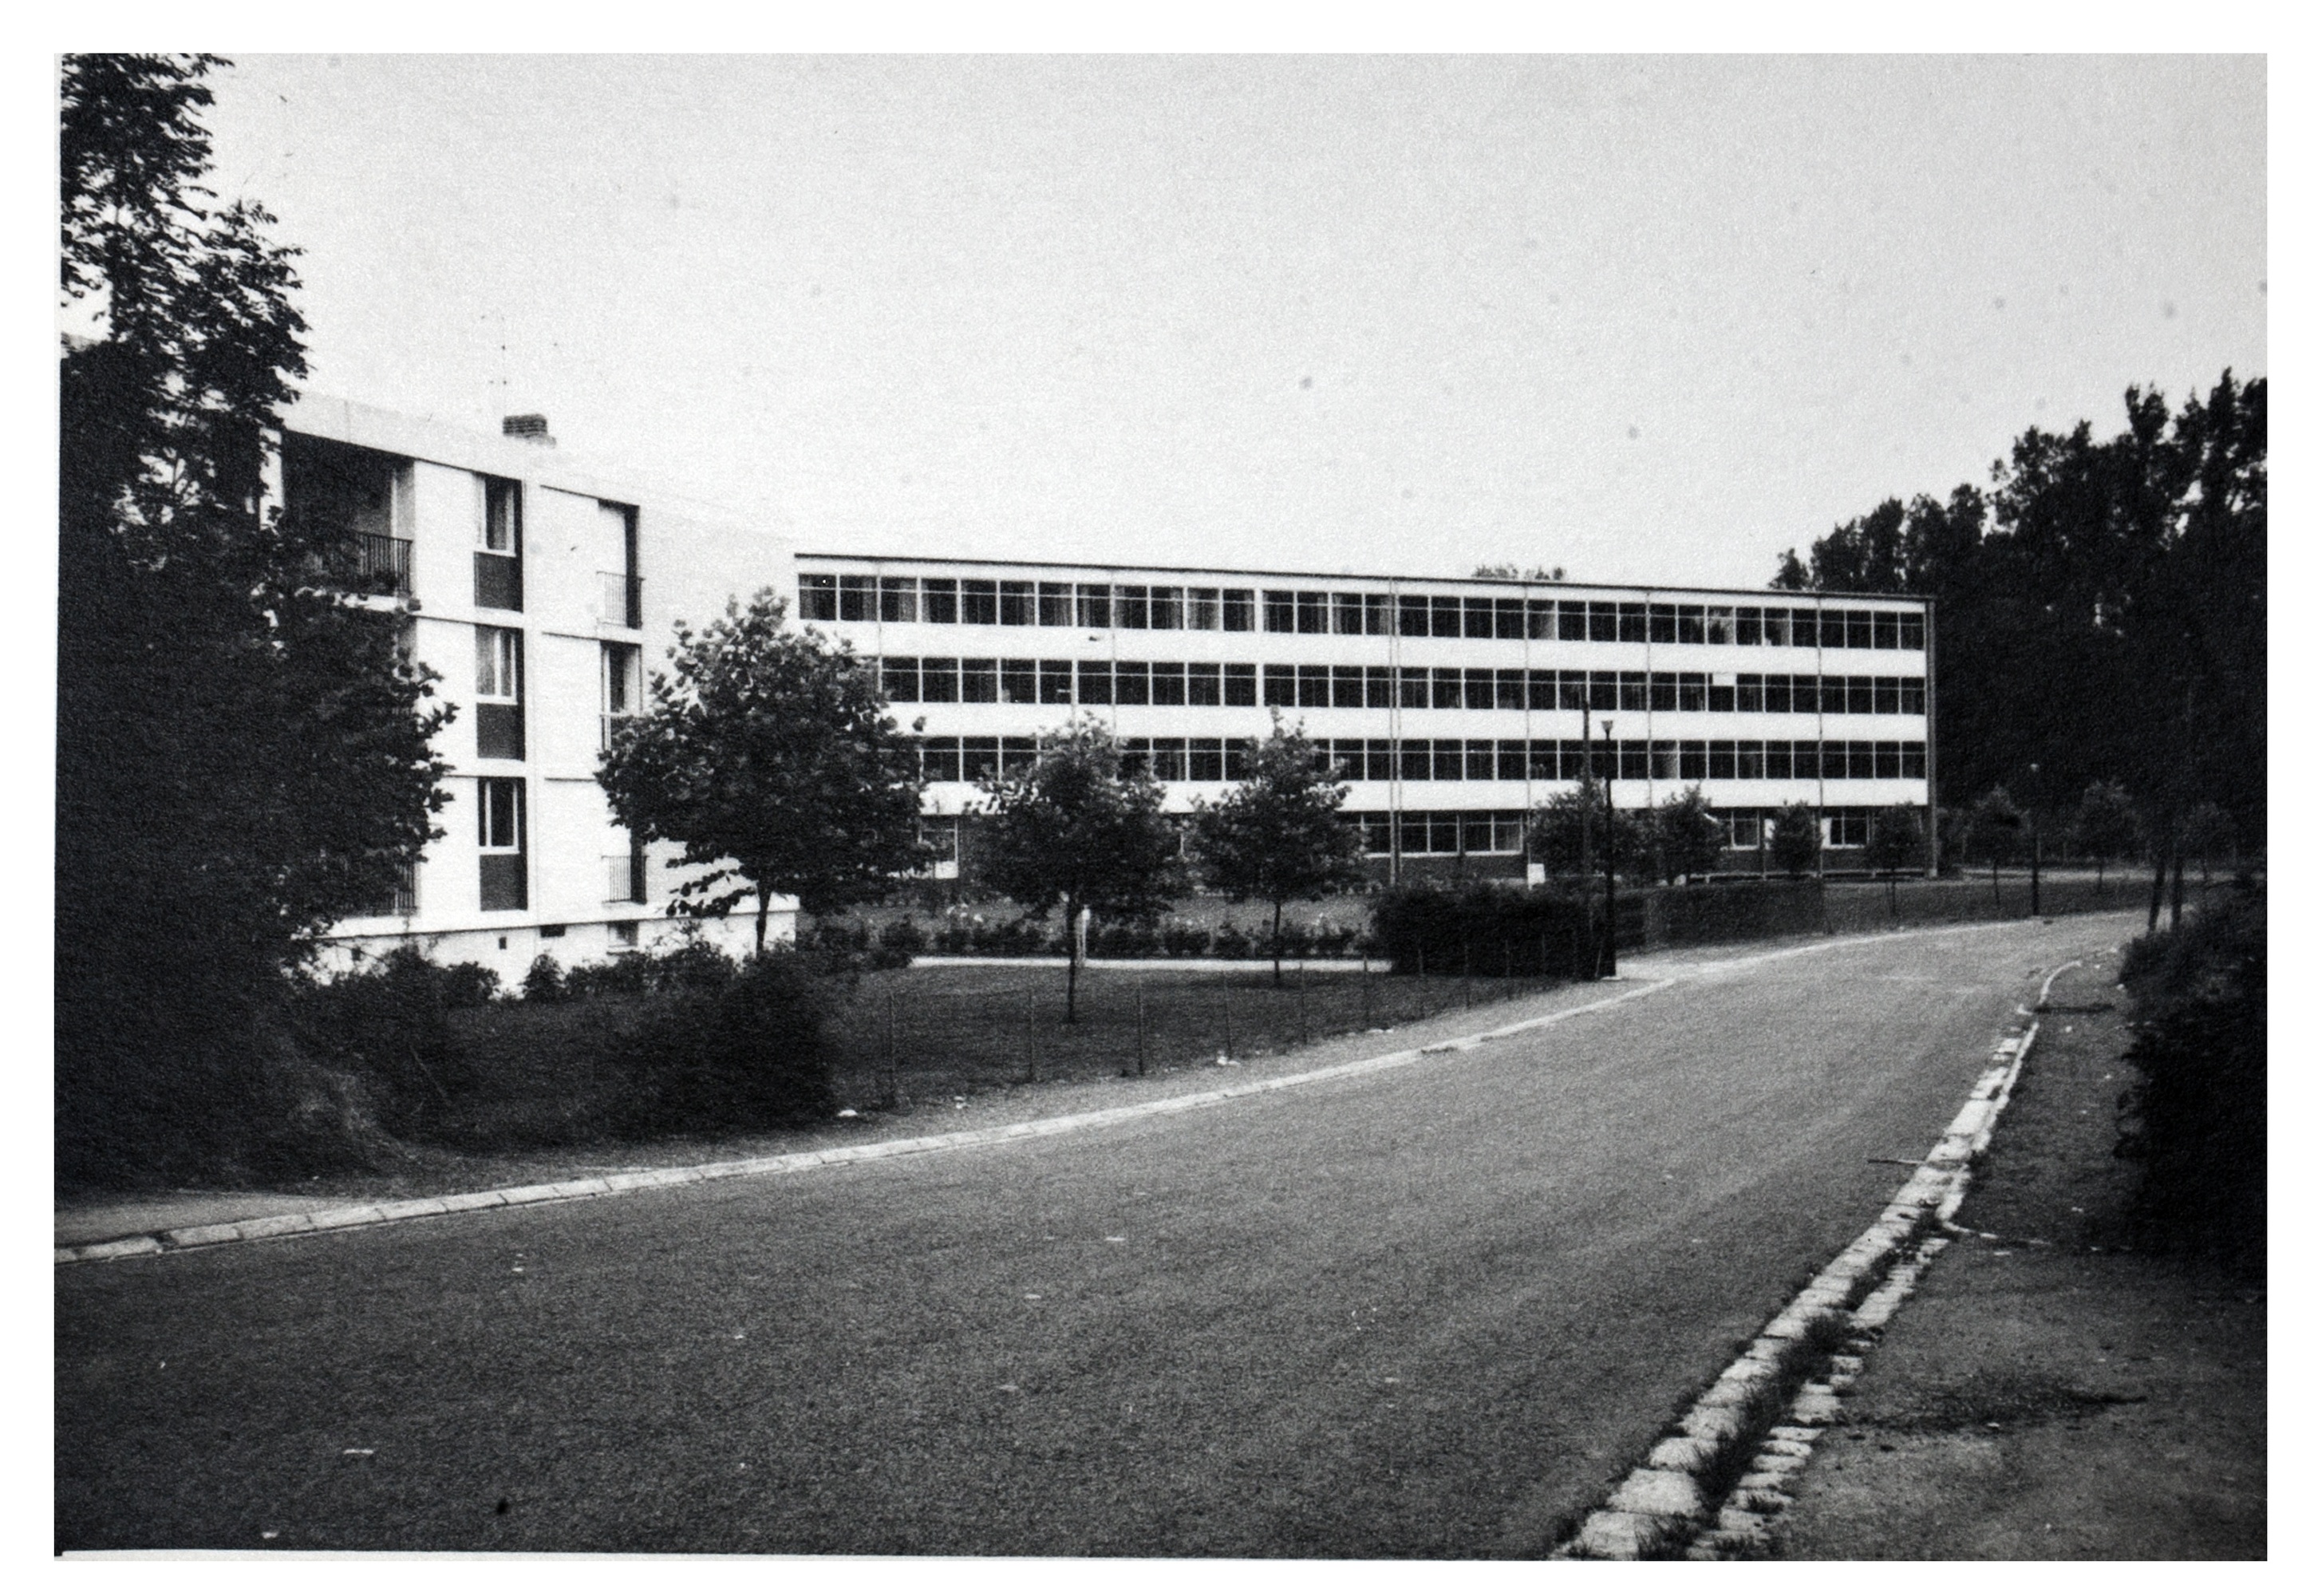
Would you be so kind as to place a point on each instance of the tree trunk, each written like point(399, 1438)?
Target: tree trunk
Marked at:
point(1069, 936)
point(2160, 875)
point(1277, 952)
point(2177, 885)
point(762, 916)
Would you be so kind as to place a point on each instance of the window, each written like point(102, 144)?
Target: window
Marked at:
point(498, 663)
point(1631, 690)
point(896, 599)
point(1414, 761)
point(1478, 689)
point(979, 677)
point(1694, 761)
point(1445, 686)
point(1095, 683)
point(1237, 609)
point(1168, 683)
point(1413, 616)
point(1093, 605)
point(1719, 695)
point(1915, 762)
point(1446, 760)
point(1205, 759)
point(1776, 626)
point(1776, 696)
point(1017, 681)
point(1807, 762)
point(1349, 613)
point(501, 527)
point(1663, 624)
point(1747, 627)
point(1631, 622)
point(1510, 689)
point(1888, 696)
point(1414, 689)
point(1169, 759)
point(623, 684)
point(499, 807)
point(1132, 608)
point(1206, 686)
point(1543, 618)
point(900, 680)
point(814, 597)
point(1884, 629)
point(1807, 695)
point(1016, 604)
point(1349, 687)
point(943, 760)
point(1911, 696)
point(939, 600)
point(1913, 631)
point(979, 602)
point(1132, 681)
point(940, 682)
point(1164, 609)
point(1056, 604)
point(1277, 611)
point(1719, 623)
point(855, 599)
point(1694, 691)
point(979, 759)
point(1055, 682)
point(1315, 681)
point(1277, 685)
point(1748, 696)
point(1751, 762)
point(1804, 628)
point(1690, 624)
point(1017, 757)
point(1446, 617)
point(1206, 610)
point(1237, 759)
point(1477, 617)
point(1722, 762)
point(1237, 684)
point(1663, 760)
point(1310, 612)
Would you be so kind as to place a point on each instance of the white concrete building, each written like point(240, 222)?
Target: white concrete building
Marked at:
point(1452, 707)
point(540, 590)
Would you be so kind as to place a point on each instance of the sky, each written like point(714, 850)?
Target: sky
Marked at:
point(1649, 318)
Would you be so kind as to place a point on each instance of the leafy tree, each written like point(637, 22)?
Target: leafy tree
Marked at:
point(242, 753)
point(1795, 839)
point(1568, 835)
point(2105, 825)
point(1996, 832)
point(1280, 835)
point(2208, 830)
point(1081, 830)
point(1687, 841)
point(1894, 843)
point(770, 755)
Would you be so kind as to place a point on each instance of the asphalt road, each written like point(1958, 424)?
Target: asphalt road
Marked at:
point(1433, 1312)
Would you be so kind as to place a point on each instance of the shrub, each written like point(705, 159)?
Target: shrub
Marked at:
point(384, 1030)
point(1432, 929)
point(468, 985)
point(543, 982)
point(953, 938)
point(2195, 1117)
point(1293, 940)
point(750, 1054)
point(904, 936)
point(1332, 941)
point(1182, 940)
point(1230, 943)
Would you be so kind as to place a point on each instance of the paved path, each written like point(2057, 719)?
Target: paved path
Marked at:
point(1429, 1312)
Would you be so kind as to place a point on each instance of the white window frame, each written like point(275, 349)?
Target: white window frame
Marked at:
point(498, 665)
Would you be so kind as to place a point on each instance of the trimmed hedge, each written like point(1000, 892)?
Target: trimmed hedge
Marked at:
point(1490, 930)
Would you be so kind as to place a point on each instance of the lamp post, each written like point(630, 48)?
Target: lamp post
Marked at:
point(1607, 963)
point(2033, 829)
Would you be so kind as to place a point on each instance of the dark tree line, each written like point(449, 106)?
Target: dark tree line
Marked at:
point(2100, 612)
point(242, 753)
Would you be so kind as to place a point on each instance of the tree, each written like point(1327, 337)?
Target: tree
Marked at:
point(1894, 843)
point(2105, 825)
point(1688, 840)
point(1795, 839)
point(1567, 836)
point(1996, 831)
point(243, 752)
point(2206, 832)
point(770, 756)
point(1081, 830)
point(1280, 835)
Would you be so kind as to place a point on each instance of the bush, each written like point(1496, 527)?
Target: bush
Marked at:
point(748, 1054)
point(2195, 1117)
point(468, 985)
point(1433, 929)
point(1182, 940)
point(543, 982)
point(1293, 940)
point(904, 936)
point(953, 938)
point(385, 1028)
point(1332, 941)
point(1230, 943)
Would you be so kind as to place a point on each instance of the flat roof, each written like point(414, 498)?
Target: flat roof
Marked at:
point(1781, 593)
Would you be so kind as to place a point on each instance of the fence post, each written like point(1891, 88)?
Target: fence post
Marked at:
point(1365, 989)
point(1141, 1026)
point(1301, 998)
point(1032, 1032)
point(1468, 998)
point(1422, 983)
point(1228, 1032)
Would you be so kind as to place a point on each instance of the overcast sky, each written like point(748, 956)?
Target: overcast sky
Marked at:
point(1650, 319)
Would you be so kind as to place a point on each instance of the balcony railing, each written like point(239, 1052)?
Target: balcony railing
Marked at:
point(626, 878)
point(370, 563)
point(622, 600)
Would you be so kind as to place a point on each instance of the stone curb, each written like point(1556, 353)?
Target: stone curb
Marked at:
point(1660, 1509)
point(361, 1215)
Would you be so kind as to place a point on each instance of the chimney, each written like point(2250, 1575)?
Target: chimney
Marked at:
point(530, 430)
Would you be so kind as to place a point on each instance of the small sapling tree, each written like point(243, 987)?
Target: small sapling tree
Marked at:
point(1280, 836)
point(769, 756)
point(2105, 826)
point(1996, 830)
point(1081, 830)
point(1688, 839)
point(1894, 844)
point(1795, 839)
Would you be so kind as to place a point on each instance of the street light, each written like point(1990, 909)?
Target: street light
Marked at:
point(1607, 963)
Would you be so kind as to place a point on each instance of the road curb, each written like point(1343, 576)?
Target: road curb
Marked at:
point(1709, 1489)
point(364, 1215)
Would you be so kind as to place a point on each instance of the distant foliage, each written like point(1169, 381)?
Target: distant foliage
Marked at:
point(751, 1054)
point(1896, 841)
point(1498, 930)
point(1795, 839)
point(1279, 836)
point(1687, 841)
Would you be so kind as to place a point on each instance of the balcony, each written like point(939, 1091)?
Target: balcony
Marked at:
point(626, 878)
point(621, 600)
point(366, 562)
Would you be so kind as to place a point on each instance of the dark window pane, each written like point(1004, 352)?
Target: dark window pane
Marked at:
point(940, 680)
point(1277, 611)
point(1414, 689)
point(1092, 606)
point(856, 597)
point(1237, 609)
point(1055, 682)
point(1205, 759)
point(1445, 687)
point(897, 599)
point(1413, 616)
point(1349, 687)
point(1206, 686)
point(1748, 696)
point(1017, 681)
point(814, 597)
point(1056, 604)
point(1804, 628)
point(1168, 683)
point(979, 602)
point(979, 680)
point(1132, 608)
point(1630, 623)
point(1164, 609)
point(1095, 683)
point(1747, 626)
point(899, 680)
point(1277, 685)
point(1690, 624)
point(1237, 684)
point(1132, 681)
point(979, 758)
point(1446, 617)
point(942, 760)
point(1478, 689)
point(939, 600)
point(1310, 612)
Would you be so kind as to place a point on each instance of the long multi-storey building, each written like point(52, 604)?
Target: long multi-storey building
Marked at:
point(539, 590)
point(1452, 708)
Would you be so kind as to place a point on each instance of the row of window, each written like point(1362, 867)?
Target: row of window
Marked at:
point(1446, 759)
point(912, 681)
point(968, 601)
